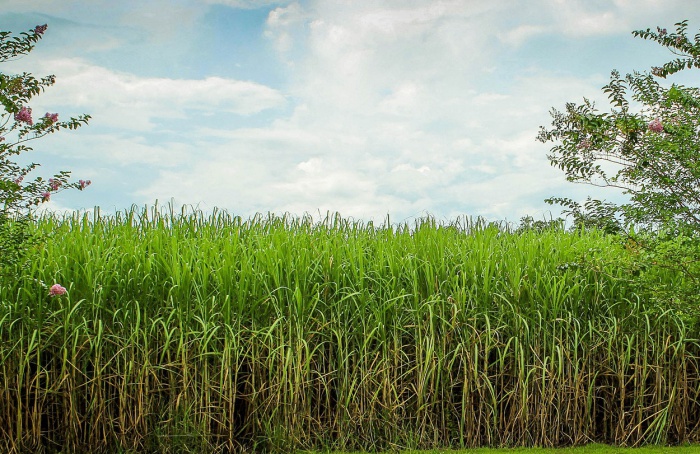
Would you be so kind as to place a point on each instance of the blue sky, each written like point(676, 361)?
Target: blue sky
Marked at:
point(366, 108)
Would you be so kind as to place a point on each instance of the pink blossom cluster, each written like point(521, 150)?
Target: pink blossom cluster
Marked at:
point(57, 290)
point(54, 184)
point(45, 196)
point(19, 179)
point(53, 117)
point(656, 126)
point(662, 31)
point(2, 138)
point(40, 29)
point(84, 184)
point(24, 115)
point(585, 144)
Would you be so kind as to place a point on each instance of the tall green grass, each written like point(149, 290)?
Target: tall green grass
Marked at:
point(190, 333)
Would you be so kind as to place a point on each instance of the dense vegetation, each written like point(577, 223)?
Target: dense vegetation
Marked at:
point(182, 332)
point(646, 145)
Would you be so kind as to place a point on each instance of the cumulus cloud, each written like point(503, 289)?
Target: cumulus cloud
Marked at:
point(391, 116)
point(400, 107)
point(128, 101)
point(282, 26)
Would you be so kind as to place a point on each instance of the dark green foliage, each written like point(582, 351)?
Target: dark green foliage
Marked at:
point(678, 43)
point(186, 333)
point(16, 238)
point(529, 224)
point(18, 195)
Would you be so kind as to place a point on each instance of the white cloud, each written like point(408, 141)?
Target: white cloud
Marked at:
point(127, 101)
point(282, 26)
point(402, 100)
point(248, 4)
point(390, 117)
point(401, 107)
point(584, 18)
point(521, 33)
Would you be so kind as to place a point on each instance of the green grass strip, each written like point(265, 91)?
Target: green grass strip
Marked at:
point(588, 449)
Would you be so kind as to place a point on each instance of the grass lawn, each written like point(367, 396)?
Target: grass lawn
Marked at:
point(589, 449)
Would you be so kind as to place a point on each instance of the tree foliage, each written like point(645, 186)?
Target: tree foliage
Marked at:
point(648, 146)
point(18, 194)
point(679, 43)
point(653, 155)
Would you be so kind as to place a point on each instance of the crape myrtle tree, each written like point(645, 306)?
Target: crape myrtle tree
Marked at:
point(20, 195)
point(648, 146)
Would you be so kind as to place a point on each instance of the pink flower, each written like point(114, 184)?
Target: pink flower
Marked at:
point(662, 31)
point(57, 290)
point(2, 138)
point(24, 115)
point(656, 126)
point(46, 196)
point(19, 179)
point(54, 184)
point(84, 184)
point(585, 144)
point(40, 29)
point(53, 117)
